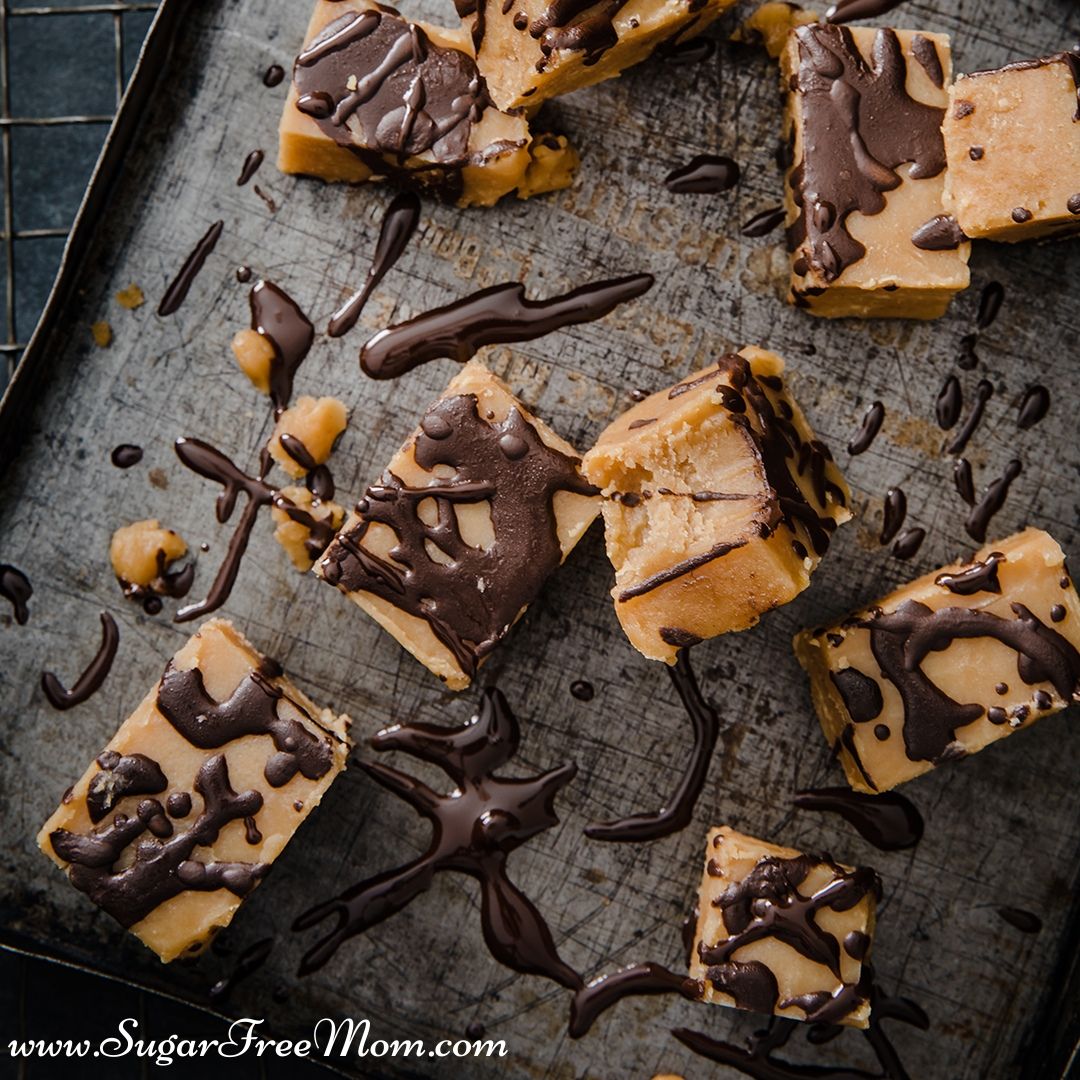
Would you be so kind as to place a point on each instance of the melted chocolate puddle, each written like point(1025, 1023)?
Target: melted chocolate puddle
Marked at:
point(872, 420)
point(16, 589)
point(891, 822)
point(706, 174)
point(399, 224)
point(177, 292)
point(126, 455)
point(648, 979)
point(679, 809)
point(92, 679)
point(495, 316)
point(247, 963)
point(475, 828)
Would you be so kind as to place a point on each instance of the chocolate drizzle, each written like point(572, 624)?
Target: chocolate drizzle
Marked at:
point(679, 809)
point(92, 679)
point(273, 75)
point(399, 223)
point(575, 25)
point(247, 963)
point(475, 828)
point(648, 979)
point(890, 821)
point(993, 500)
point(163, 866)
point(1033, 407)
point(863, 126)
point(494, 316)
point(845, 11)
point(505, 464)
point(250, 167)
point(177, 292)
point(119, 777)
point(964, 481)
point(872, 420)
point(941, 233)
point(705, 174)
point(764, 222)
point(278, 318)
point(16, 589)
point(908, 543)
point(126, 455)
point(895, 511)
point(990, 300)
point(977, 577)
point(983, 393)
point(1025, 921)
point(950, 401)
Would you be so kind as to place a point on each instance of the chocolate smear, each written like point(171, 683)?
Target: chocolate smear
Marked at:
point(890, 821)
point(845, 11)
point(93, 678)
point(1034, 407)
point(1025, 921)
point(983, 393)
point(764, 222)
point(895, 511)
point(967, 359)
point(964, 481)
point(908, 543)
point(648, 979)
point(495, 316)
point(247, 963)
point(177, 292)
point(126, 455)
point(250, 167)
point(993, 500)
point(941, 233)
point(950, 402)
point(975, 578)
point(278, 318)
point(990, 301)
point(705, 174)
point(872, 420)
point(16, 589)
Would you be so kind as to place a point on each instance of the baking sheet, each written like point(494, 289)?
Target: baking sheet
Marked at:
point(1001, 829)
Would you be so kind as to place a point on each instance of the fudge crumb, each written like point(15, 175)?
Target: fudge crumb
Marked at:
point(131, 298)
point(158, 478)
point(102, 333)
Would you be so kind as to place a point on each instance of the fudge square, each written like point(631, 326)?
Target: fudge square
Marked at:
point(374, 96)
point(947, 664)
point(474, 512)
point(185, 810)
point(784, 933)
point(719, 503)
point(1012, 139)
point(867, 230)
point(531, 50)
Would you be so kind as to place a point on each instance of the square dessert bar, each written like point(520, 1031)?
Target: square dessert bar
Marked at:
point(719, 503)
point(784, 933)
point(1012, 138)
point(473, 513)
point(867, 229)
point(185, 810)
point(947, 664)
point(376, 96)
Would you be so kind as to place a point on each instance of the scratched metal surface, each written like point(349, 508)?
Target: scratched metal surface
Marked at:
point(1001, 829)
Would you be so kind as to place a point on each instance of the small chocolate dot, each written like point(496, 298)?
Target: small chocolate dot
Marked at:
point(976, 153)
point(881, 732)
point(1021, 214)
point(1001, 689)
point(963, 109)
point(1074, 203)
point(1043, 700)
point(997, 716)
point(1057, 613)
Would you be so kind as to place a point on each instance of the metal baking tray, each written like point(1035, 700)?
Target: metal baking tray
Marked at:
point(1001, 829)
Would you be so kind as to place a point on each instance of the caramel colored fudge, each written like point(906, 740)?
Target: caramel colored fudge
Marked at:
point(784, 933)
point(1012, 138)
point(949, 663)
point(305, 434)
point(376, 97)
point(719, 503)
point(770, 24)
point(185, 810)
point(473, 513)
point(867, 230)
point(532, 50)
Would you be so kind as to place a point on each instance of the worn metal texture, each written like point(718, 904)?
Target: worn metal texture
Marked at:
point(1001, 829)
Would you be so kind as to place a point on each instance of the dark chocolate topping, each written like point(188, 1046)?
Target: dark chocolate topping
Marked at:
point(92, 679)
point(844, 11)
point(894, 513)
point(16, 589)
point(126, 455)
point(177, 292)
point(121, 776)
point(925, 51)
point(863, 126)
point(278, 318)
point(648, 979)
point(706, 174)
point(1034, 407)
point(577, 25)
point(872, 420)
point(992, 501)
point(861, 694)
point(250, 167)
point(977, 577)
point(941, 233)
point(983, 393)
point(475, 828)
point(950, 401)
point(494, 316)
point(889, 821)
point(507, 465)
point(1025, 921)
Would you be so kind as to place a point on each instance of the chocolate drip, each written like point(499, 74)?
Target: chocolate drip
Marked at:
point(121, 776)
point(968, 359)
point(475, 828)
point(582, 690)
point(278, 318)
point(247, 963)
point(992, 501)
point(126, 455)
point(895, 512)
point(16, 589)
point(495, 316)
point(250, 167)
point(983, 393)
point(990, 301)
point(705, 174)
point(641, 980)
point(1025, 921)
point(243, 274)
point(577, 25)
point(863, 126)
point(941, 233)
point(1033, 408)
point(908, 543)
point(92, 679)
point(861, 694)
point(399, 223)
point(504, 463)
point(252, 710)
point(964, 481)
point(978, 577)
point(177, 292)
point(273, 75)
point(845, 11)
point(902, 639)
point(678, 811)
point(764, 222)
point(162, 868)
point(175, 584)
point(673, 573)
point(872, 420)
point(950, 401)
point(889, 821)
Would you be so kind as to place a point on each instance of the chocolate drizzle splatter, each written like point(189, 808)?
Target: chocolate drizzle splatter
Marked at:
point(977, 577)
point(1033, 407)
point(475, 828)
point(177, 292)
point(993, 500)
point(1025, 921)
point(119, 777)
point(964, 481)
point(950, 401)
point(16, 589)
point(273, 75)
point(582, 690)
point(247, 963)
point(505, 464)
point(93, 678)
point(889, 821)
point(845, 11)
point(941, 233)
point(895, 511)
point(279, 319)
point(872, 420)
point(908, 543)
point(983, 393)
point(251, 166)
point(648, 979)
point(764, 222)
point(705, 174)
point(990, 300)
point(126, 455)
point(494, 316)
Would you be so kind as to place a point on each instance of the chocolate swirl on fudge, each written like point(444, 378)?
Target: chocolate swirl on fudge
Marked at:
point(863, 125)
point(163, 865)
point(504, 463)
point(767, 903)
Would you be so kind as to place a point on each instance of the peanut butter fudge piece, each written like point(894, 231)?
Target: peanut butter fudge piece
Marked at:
point(375, 97)
point(532, 50)
point(784, 933)
point(719, 503)
point(864, 193)
point(474, 512)
point(947, 664)
point(182, 814)
point(1012, 138)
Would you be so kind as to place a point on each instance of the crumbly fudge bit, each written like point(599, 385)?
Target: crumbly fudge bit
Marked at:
point(255, 355)
point(782, 932)
point(949, 663)
point(305, 433)
point(375, 96)
point(719, 503)
point(294, 511)
point(474, 512)
point(1012, 138)
point(864, 193)
point(141, 551)
point(532, 50)
point(771, 24)
point(182, 814)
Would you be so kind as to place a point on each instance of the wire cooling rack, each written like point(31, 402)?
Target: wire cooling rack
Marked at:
point(129, 21)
